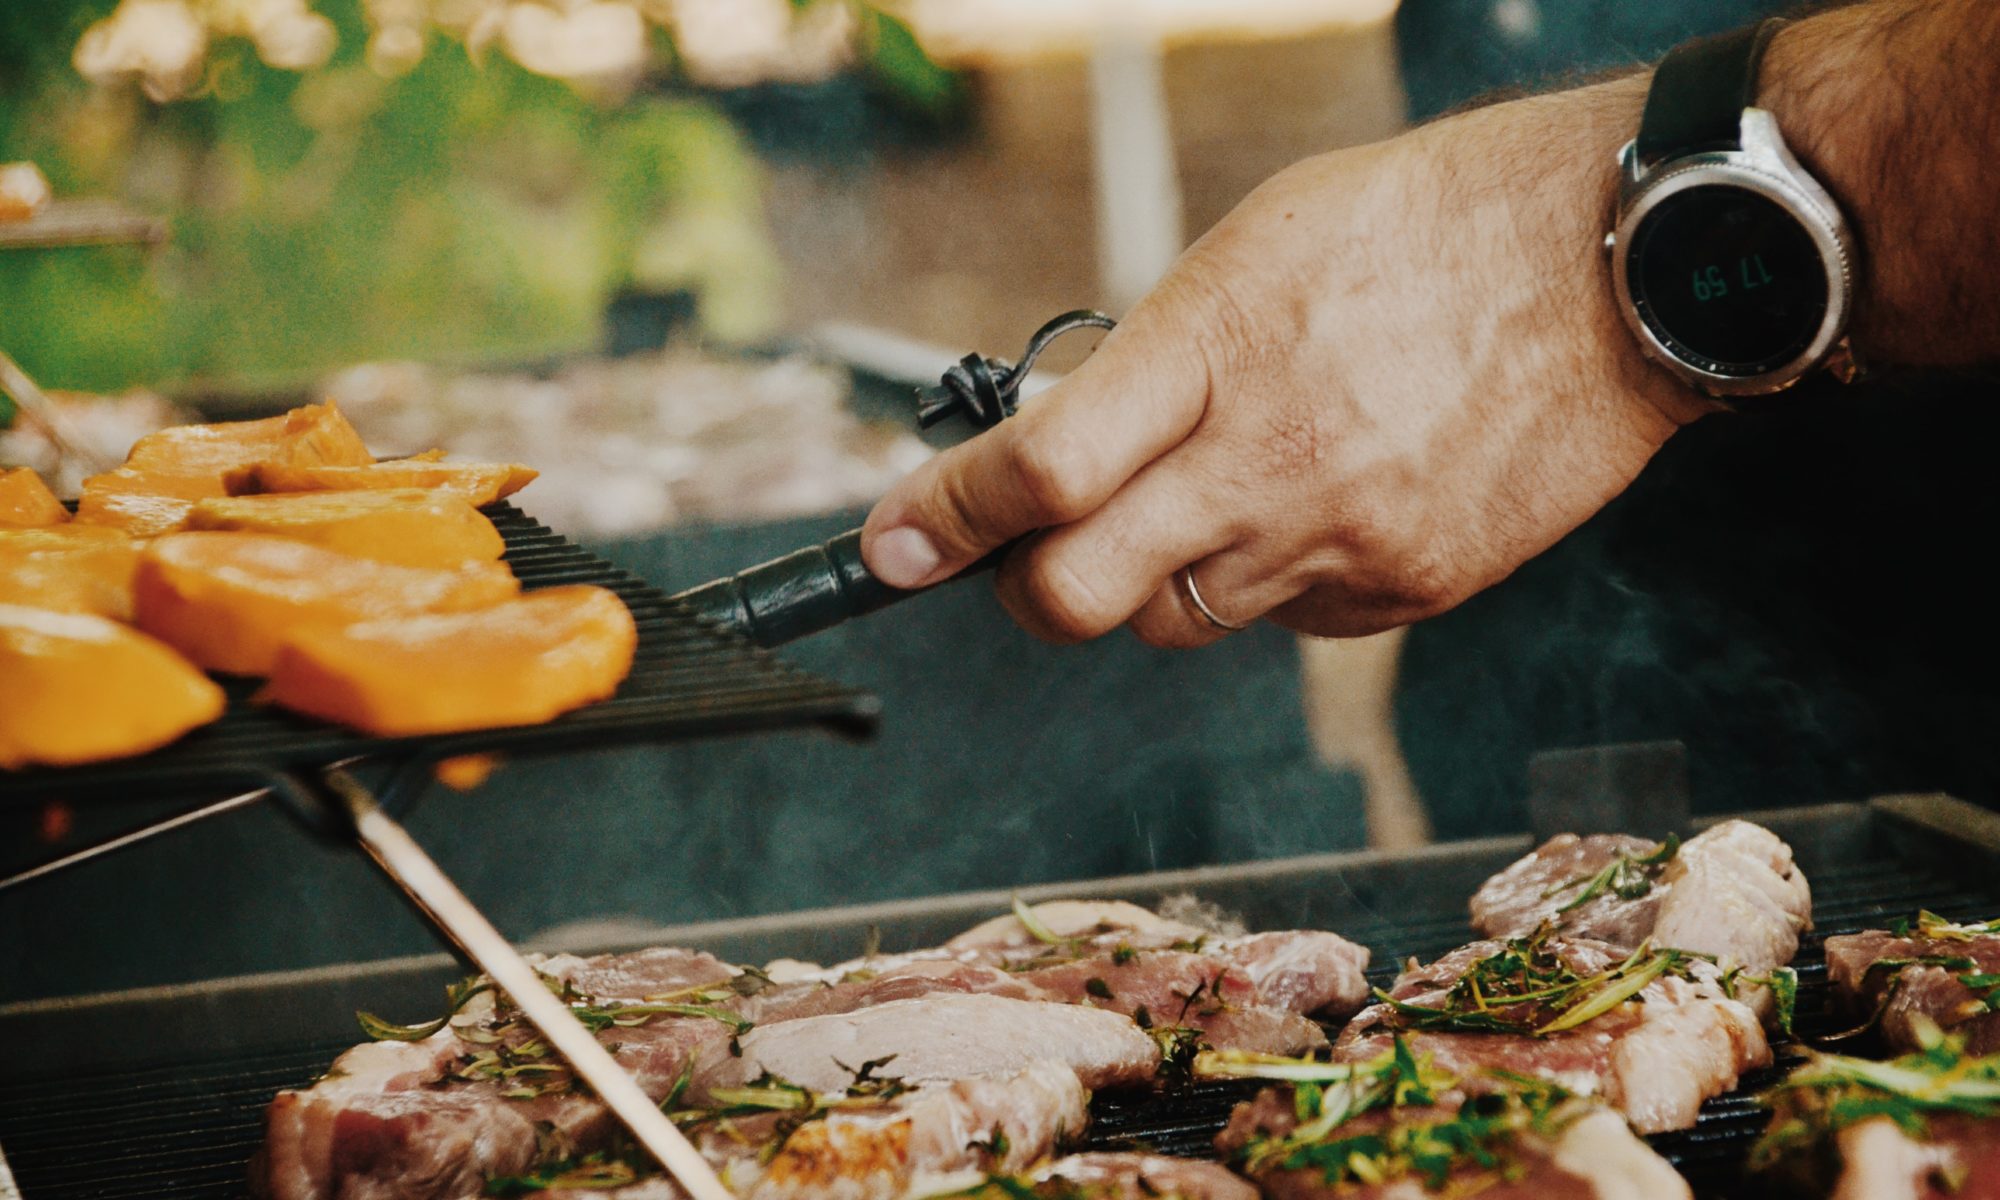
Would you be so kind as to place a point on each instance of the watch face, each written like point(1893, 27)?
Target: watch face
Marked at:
point(1728, 280)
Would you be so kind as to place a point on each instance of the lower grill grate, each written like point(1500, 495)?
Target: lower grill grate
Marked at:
point(190, 1130)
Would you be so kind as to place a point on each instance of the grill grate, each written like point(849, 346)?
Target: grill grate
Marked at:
point(687, 680)
point(189, 1130)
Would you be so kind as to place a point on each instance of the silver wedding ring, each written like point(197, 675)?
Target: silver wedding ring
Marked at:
point(1201, 606)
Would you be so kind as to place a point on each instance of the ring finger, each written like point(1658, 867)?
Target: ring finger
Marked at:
point(1237, 589)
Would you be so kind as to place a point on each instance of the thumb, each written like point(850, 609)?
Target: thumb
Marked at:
point(1060, 459)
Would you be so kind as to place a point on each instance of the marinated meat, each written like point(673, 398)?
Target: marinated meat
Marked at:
point(896, 1144)
point(435, 1117)
point(1553, 883)
point(1005, 940)
point(1732, 892)
point(481, 1096)
point(1498, 1139)
point(1922, 1127)
point(1933, 971)
point(937, 1037)
point(1654, 1033)
point(1120, 1176)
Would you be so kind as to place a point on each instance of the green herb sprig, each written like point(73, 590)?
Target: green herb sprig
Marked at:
point(1527, 988)
point(1326, 1096)
point(1927, 924)
point(1832, 1092)
point(1627, 876)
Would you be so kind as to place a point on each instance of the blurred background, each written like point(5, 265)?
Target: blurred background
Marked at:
point(688, 257)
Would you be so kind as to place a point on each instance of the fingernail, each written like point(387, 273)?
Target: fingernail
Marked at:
point(903, 557)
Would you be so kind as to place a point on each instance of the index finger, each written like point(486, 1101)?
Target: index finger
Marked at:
point(1066, 453)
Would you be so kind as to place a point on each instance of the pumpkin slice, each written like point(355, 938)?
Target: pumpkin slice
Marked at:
point(68, 568)
point(82, 689)
point(143, 503)
point(521, 662)
point(480, 483)
point(227, 600)
point(313, 435)
point(407, 526)
point(27, 503)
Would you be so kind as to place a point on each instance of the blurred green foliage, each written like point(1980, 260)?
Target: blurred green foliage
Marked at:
point(465, 210)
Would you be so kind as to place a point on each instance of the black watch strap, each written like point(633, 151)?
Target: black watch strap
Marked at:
point(1699, 93)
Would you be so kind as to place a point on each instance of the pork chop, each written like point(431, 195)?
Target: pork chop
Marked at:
point(1733, 893)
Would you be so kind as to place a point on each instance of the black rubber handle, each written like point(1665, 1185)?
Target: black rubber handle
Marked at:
point(820, 586)
point(804, 592)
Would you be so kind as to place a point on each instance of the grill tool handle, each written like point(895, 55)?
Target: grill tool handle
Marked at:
point(821, 586)
point(804, 592)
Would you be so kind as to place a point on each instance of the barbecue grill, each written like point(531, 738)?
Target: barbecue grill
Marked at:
point(160, 1092)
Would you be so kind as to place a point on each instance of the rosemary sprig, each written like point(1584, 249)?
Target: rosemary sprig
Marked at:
point(1527, 988)
point(1626, 876)
point(1326, 1096)
point(1784, 985)
point(1927, 924)
point(456, 997)
point(1832, 1092)
point(599, 1171)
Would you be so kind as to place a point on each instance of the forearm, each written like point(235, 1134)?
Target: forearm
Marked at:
point(1895, 108)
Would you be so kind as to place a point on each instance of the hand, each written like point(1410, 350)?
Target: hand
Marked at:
point(1388, 378)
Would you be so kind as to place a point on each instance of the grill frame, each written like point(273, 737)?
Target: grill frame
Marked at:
point(101, 1088)
point(688, 680)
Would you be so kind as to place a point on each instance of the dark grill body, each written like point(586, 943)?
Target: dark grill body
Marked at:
point(162, 1094)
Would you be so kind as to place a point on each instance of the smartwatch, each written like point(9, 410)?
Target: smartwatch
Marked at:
point(1732, 265)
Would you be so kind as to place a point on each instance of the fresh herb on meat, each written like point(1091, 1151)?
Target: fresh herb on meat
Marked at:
point(1483, 1134)
point(1025, 914)
point(1927, 924)
point(1123, 953)
point(1832, 1092)
point(456, 997)
point(1325, 1096)
point(1180, 1047)
point(1784, 985)
point(1626, 876)
point(591, 1172)
point(1526, 987)
point(995, 1146)
point(750, 981)
point(599, 1017)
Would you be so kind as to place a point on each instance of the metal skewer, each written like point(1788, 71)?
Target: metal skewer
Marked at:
point(427, 886)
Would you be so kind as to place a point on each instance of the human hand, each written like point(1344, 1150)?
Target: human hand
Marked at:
point(1388, 378)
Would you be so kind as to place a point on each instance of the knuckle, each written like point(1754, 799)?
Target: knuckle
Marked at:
point(1045, 464)
point(1427, 580)
point(1066, 606)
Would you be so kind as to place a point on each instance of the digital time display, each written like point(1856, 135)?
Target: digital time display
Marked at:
point(1728, 278)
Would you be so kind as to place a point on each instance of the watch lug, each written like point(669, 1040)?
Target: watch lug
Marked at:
point(1631, 172)
point(1761, 140)
point(1841, 362)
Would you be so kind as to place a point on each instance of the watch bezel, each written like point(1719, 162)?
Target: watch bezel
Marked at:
point(1764, 167)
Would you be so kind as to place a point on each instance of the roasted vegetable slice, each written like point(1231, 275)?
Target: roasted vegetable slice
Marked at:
point(408, 526)
point(314, 435)
point(68, 568)
point(27, 503)
point(521, 662)
point(227, 600)
point(480, 483)
point(143, 503)
point(81, 689)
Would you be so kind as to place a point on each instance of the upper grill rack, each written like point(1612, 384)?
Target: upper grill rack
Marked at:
point(687, 680)
point(188, 1131)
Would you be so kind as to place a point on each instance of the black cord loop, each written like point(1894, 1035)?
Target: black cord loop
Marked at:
point(988, 390)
